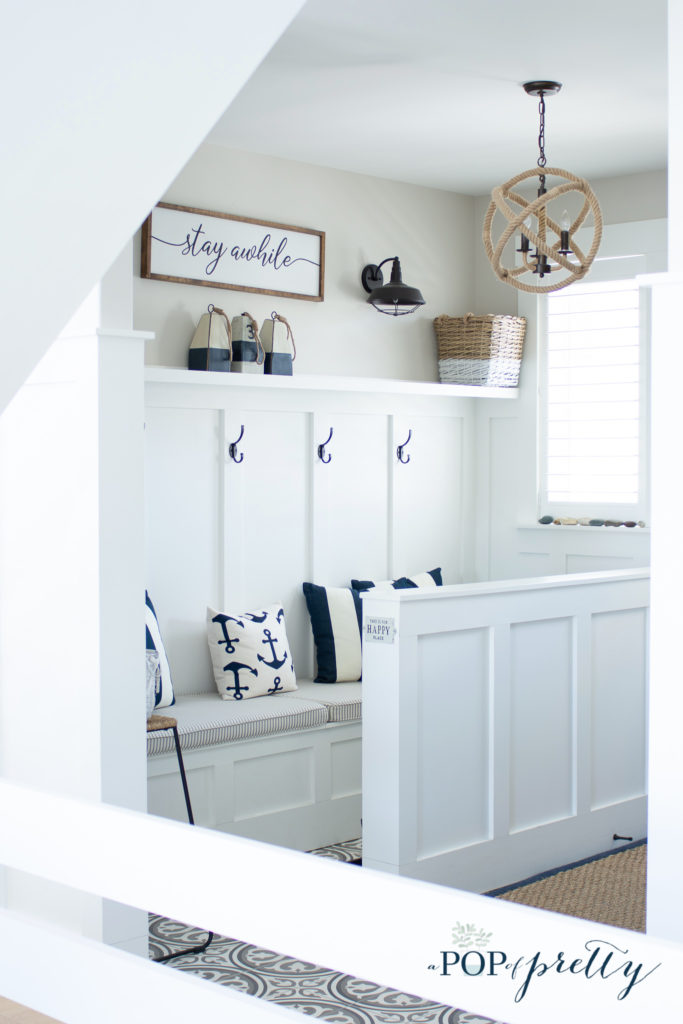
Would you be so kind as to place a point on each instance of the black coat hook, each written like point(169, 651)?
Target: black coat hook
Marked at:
point(399, 450)
point(233, 447)
point(322, 454)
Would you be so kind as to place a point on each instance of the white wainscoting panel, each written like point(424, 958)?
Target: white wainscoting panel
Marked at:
point(276, 782)
point(168, 802)
point(542, 722)
point(454, 764)
point(433, 480)
point(267, 519)
point(345, 768)
point(597, 562)
point(619, 705)
point(499, 444)
point(184, 533)
point(351, 499)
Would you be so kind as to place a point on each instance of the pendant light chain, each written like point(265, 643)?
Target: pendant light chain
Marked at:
point(541, 141)
point(541, 132)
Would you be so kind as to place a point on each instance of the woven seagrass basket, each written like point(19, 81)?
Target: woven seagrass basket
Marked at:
point(485, 350)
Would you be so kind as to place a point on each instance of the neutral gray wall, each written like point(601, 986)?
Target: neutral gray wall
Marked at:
point(365, 220)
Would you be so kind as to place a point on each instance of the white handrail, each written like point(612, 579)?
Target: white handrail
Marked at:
point(369, 924)
point(527, 584)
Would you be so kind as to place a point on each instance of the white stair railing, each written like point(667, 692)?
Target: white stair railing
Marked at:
point(369, 924)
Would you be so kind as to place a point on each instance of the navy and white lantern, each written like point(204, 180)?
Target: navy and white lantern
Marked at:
point(247, 350)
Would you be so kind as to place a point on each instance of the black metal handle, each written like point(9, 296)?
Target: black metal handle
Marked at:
point(322, 454)
point(233, 447)
point(401, 447)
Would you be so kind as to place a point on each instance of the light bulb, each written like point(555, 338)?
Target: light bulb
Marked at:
point(523, 240)
point(565, 224)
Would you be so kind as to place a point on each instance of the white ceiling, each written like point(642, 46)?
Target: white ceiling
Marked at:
point(429, 92)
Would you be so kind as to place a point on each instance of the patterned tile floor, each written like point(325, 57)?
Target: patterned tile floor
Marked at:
point(315, 991)
point(350, 850)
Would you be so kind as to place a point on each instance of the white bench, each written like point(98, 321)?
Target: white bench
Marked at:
point(285, 769)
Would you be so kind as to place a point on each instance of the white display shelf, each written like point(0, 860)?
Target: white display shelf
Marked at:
point(302, 382)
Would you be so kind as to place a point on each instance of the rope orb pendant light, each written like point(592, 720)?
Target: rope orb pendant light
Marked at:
point(553, 242)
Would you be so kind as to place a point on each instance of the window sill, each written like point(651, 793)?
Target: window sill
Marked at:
point(552, 527)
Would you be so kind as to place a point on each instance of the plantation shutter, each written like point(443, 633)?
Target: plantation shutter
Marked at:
point(593, 408)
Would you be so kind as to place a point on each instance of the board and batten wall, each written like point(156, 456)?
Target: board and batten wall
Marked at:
point(508, 544)
point(240, 534)
point(365, 220)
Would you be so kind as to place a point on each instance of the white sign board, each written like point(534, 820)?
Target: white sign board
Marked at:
point(379, 630)
point(180, 243)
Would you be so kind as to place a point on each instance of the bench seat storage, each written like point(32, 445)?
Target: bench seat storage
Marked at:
point(342, 700)
point(284, 769)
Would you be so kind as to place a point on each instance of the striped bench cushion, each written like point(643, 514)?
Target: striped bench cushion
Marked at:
point(343, 701)
point(204, 720)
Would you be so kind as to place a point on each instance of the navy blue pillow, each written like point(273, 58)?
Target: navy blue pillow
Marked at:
point(337, 625)
point(422, 579)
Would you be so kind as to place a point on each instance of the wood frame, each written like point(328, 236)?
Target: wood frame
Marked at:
point(257, 256)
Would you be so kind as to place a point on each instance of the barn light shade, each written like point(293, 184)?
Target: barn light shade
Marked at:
point(395, 298)
point(556, 253)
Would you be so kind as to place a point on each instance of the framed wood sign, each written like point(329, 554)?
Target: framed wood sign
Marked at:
point(191, 246)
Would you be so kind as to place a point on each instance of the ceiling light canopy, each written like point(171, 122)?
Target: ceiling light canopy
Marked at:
point(553, 237)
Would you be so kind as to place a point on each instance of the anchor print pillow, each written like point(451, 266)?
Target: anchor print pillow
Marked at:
point(250, 653)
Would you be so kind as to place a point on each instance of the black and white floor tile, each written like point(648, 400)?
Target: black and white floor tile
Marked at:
point(314, 991)
point(350, 851)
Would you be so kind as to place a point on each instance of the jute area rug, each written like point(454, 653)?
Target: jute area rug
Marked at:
point(609, 888)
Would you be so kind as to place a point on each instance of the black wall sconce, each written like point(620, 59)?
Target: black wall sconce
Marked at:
point(395, 298)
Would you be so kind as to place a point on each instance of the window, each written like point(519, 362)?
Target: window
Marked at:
point(594, 413)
